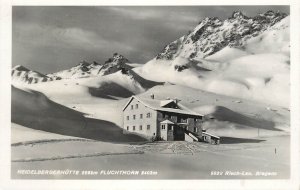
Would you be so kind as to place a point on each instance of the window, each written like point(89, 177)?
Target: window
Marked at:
point(136, 106)
point(173, 118)
point(132, 107)
point(141, 127)
point(184, 120)
point(148, 115)
point(133, 116)
point(127, 117)
point(133, 128)
point(141, 116)
point(195, 129)
point(163, 127)
point(148, 127)
point(170, 127)
point(127, 128)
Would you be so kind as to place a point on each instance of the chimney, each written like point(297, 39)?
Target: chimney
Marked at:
point(152, 96)
point(176, 100)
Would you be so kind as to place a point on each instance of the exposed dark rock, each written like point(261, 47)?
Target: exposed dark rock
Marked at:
point(213, 34)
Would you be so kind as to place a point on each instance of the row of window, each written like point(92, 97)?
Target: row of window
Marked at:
point(174, 118)
point(140, 128)
point(136, 106)
point(163, 127)
point(148, 115)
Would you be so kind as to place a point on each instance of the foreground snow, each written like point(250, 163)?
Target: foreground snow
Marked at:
point(236, 154)
point(21, 135)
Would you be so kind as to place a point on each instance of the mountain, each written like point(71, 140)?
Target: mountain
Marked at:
point(212, 35)
point(21, 74)
point(251, 66)
point(84, 69)
point(114, 78)
point(243, 57)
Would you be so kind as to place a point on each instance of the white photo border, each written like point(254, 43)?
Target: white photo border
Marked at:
point(5, 101)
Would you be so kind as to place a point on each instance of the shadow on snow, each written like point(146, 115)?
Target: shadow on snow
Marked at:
point(234, 140)
point(34, 110)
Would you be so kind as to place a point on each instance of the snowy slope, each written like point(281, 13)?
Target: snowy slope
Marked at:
point(257, 70)
point(120, 84)
point(112, 86)
point(34, 110)
point(227, 115)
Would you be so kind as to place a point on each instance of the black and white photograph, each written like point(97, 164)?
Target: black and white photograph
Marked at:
point(185, 92)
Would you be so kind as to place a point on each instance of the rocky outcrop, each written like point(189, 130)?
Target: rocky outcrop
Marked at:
point(212, 34)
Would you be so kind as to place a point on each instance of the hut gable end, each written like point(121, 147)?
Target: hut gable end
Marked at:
point(171, 105)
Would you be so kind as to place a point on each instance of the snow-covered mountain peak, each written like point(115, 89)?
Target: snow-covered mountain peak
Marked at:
point(118, 59)
point(19, 68)
point(210, 21)
point(84, 63)
point(21, 74)
point(273, 14)
point(212, 34)
point(238, 14)
point(85, 69)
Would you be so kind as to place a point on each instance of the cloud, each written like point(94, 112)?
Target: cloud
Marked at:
point(136, 14)
point(52, 36)
point(147, 13)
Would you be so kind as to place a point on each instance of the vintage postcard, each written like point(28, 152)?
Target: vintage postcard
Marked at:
point(152, 94)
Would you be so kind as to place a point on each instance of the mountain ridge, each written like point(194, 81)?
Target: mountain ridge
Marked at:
point(212, 34)
point(82, 70)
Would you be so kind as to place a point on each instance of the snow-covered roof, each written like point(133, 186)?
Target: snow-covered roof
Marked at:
point(155, 105)
point(167, 122)
point(206, 133)
point(165, 102)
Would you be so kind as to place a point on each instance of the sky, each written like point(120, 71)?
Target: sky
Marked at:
point(50, 39)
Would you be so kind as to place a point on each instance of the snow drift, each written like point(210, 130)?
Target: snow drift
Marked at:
point(34, 110)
